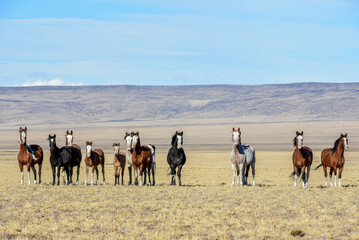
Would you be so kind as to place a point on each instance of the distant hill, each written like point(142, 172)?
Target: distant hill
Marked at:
point(126, 103)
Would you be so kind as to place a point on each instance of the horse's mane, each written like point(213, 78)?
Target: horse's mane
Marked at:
point(174, 137)
point(295, 141)
point(336, 144)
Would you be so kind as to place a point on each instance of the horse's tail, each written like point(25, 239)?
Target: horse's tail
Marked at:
point(298, 173)
point(318, 166)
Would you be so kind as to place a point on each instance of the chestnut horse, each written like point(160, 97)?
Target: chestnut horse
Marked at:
point(302, 158)
point(94, 157)
point(119, 162)
point(334, 159)
point(77, 150)
point(128, 137)
point(29, 155)
point(142, 158)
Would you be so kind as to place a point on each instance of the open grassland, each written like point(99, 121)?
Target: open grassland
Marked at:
point(205, 207)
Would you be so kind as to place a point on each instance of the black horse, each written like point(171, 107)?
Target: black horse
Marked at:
point(65, 157)
point(176, 157)
point(54, 156)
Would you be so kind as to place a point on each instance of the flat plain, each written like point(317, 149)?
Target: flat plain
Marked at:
point(205, 207)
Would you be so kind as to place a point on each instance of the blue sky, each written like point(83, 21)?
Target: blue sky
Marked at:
point(87, 42)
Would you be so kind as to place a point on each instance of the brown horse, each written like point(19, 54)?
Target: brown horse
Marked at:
point(334, 159)
point(69, 142)
point(119, 162)
point(128, 138)
point(302, 158)
point(141, 159)
point(29, 156)
point(94, 157)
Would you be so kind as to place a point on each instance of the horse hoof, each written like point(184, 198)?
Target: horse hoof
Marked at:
point(34, 181)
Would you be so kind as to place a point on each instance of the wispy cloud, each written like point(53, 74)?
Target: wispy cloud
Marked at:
point(52, 82)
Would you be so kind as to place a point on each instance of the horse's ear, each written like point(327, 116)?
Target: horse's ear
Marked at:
point(91, 143)
point(137, 133)
point(72, 132)
point(20, 129)
point(67, 132)
point(25, 129)
point(113, 144)
point(49, 135)
point(239, 129)
point(302, 133)
point(341, 135)
point(132, 133)
point(346, 135)
point(233, 130)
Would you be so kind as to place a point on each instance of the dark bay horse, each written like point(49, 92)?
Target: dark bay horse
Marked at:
point(334, 159)
point(94, 157)
point(29, 155)
point(176, 157)
point(54, 156)
point(119, 162)
point(142, 159)
point(302, 158)
point(77, 151)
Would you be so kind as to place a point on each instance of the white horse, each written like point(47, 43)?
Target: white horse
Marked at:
point(128, 138)
point(242, 156)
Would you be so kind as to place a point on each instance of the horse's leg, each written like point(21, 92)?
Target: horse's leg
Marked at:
point(141, 174)
point(303, 177)
point(122, 172)
point(153, 166)
point(173, 174)
point(34, 172)
point(325, 175)
point(115, 169)
point(340, 175)
point(234, 169)
point(246, 175)
point(179, 175)
point(63, 176)
point(129, 174)
point(53, 168)
point(58, 174)
point(241, 173)
point(308, 170)
point(149, 175)
point(331, 175)
point(40, 168)
point(144, 176)
point(253, 172)
point(92, 173)
point(28, 173)
point(135, 171)
point(70, 175)
point(22, 173)
point(86, 175)
point(103, 173)
point(78, 174)
point(335, 176)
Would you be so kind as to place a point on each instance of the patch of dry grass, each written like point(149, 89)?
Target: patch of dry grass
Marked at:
point(205, 207)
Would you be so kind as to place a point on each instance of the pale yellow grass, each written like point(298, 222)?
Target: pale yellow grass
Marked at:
point(205, 207)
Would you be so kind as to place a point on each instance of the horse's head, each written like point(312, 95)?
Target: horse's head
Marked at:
point(345, 140)
point(236, 136)
point(23, 135)
point(128, 137)
point(52, 142)
point(116, 148)
point(135, 139)
point(88, 149)
point(69, 138)
point(177, 139)
point(298, 140)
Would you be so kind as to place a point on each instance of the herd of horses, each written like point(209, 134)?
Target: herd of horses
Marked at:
point(141, 158)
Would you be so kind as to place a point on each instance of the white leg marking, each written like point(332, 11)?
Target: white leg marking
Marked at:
point(326, 181)
point(28, 177)
point(92, 179)
point(22, 178)
point(335, 180)
point(295, 180)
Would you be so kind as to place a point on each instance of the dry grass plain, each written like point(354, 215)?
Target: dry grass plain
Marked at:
point(205, 207)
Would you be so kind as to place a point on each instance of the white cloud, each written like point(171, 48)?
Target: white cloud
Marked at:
point(53, 82)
